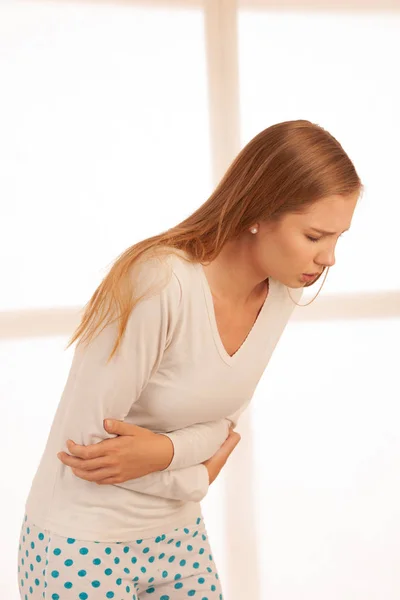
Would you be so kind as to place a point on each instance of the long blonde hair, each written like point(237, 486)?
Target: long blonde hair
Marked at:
point(283, 169)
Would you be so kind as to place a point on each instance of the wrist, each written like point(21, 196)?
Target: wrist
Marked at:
point(166, 451)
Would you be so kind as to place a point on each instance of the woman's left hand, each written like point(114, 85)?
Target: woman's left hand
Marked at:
point(135, 452)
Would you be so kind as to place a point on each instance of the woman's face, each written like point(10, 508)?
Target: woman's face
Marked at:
point(293, 247)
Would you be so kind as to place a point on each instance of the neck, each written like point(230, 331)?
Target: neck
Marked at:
point(232, 276)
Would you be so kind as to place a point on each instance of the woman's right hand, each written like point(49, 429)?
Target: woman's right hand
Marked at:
point(216, 462)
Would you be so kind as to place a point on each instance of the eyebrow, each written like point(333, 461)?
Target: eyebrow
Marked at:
point(326, 232)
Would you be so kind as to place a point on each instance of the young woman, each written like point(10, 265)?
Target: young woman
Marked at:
point(171, 347)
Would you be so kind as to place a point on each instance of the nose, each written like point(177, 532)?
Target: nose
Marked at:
point(326, 258)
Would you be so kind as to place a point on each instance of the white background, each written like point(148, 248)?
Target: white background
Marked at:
point(106, 139)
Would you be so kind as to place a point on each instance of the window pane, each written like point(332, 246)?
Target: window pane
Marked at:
point(104, 122)
point(335, 69)
point(327, 462)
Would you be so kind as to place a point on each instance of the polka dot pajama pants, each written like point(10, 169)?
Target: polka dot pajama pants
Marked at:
point(173, 566)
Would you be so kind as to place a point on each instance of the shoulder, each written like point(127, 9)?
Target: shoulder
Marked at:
point(166, 272)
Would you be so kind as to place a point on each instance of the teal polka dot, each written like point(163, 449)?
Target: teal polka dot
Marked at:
point(178, 585)
point(68, 585)
point(209, 570)
point(151, 579)
point(164, 597)
point(135, 579)
point(139, 541)
point(128, 589)
point(171, 559)
point(71, 541)
point(191, 592)
point(177, 576)
point(190, 548)
point(213, 588)
point(178, 544)
point(57, 551)
point(203, 537)
point(146, 550)
point(216, 576)
point(32, 545)
point(97, 561)
point(119, 581)
point(186, 530)
point(210, 557)
point(126, 549)
point(143, 569)
point(31, 567)
point(196, 565)
point(41, 536)
point(134, 560)
point(68, 562)
point(83, 596)
point(182, 563)
point(151, 559)
point(195, 533)
point(116, 560)
point(110, 595)
point(158, 539)
point(170, 541)
point(28, 531)
point(165, 574)
point(150, 590)
point(37, 581)
point(162, 555)
point(198, 521)
point(201, 551)
point(55, 597)
point(83, 551)
point(108, 571)
point(126, 570)
point(96, 583)
point(55, 574)
point(31, 590)
point(201, 580)
point(82, 573)
point(107, 550)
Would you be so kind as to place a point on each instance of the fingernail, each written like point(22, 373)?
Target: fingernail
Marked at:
point(108, 423)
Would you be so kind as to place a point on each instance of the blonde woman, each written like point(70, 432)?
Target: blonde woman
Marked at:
point(171, 347)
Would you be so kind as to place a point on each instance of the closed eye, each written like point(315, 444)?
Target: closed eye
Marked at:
point(314, 239)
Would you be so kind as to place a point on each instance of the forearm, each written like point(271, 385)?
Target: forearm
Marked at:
point(190, 484)
point(197, 443)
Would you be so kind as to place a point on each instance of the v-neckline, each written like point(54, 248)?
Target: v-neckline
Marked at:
point(230, 360)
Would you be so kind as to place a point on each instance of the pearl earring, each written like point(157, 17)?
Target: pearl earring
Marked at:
point(254, 230)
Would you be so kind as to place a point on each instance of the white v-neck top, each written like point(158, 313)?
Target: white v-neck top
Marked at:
point(171, 375)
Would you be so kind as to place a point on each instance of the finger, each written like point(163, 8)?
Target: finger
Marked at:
point(123, 428)
point(90, 451)
point(109, 481)
point(93, 476)
point(85, 465)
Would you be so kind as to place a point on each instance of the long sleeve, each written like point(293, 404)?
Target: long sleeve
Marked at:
point(97, 389)
point(197, 443)
point(189, 484)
